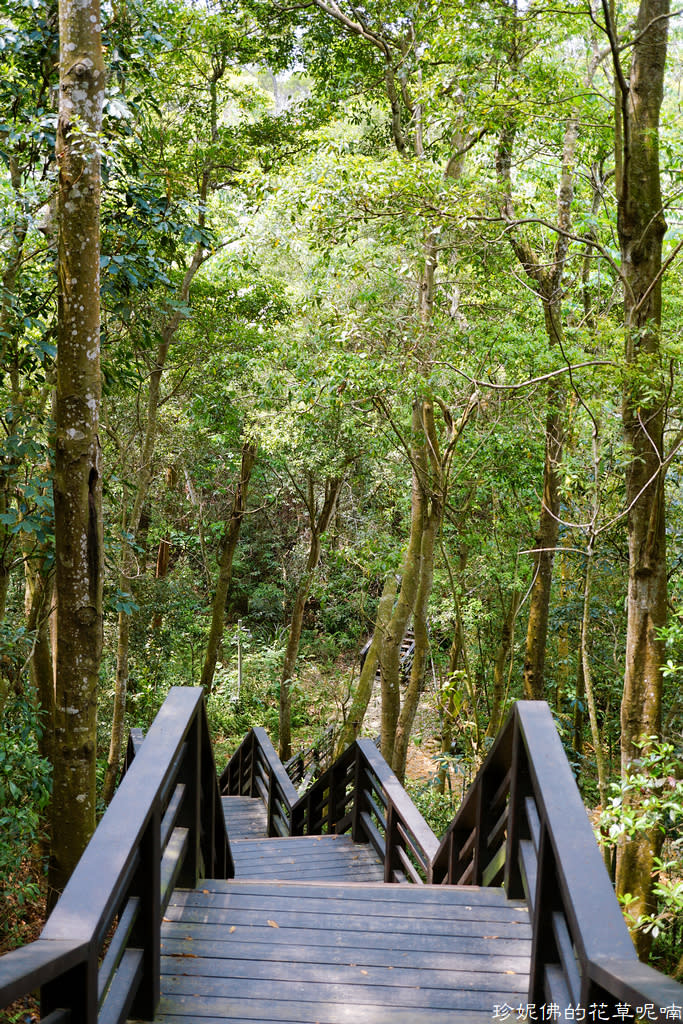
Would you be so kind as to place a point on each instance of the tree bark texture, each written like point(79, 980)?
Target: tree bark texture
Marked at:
point(432, 523)
point(546, 544)
point(641, 226)
point(78, 471)
point(390, 647)
point(363, 694)
point(228, 546)
point(319, 521)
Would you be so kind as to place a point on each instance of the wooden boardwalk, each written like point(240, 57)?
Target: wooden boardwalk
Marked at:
point(307, 912)
point(307, 932)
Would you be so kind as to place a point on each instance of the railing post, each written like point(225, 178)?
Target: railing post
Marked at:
point(358, 788)
point(269, 806)
point(189, 817)
point(146, 934)
point(519, 788)
point(75, 990)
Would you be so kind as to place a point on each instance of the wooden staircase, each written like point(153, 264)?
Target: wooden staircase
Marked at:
point(237, 900)
point(309, 932)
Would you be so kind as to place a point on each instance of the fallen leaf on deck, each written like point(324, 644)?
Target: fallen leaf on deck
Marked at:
point(273, 924)
point(233, 928)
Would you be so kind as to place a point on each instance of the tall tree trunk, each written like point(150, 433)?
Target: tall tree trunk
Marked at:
point(228, 545)
point(363, 694)
point(411, 697)
point(500, 664)
point(545, 276)
point(38, 594)
point(318, 521)
point(390, 646)
point(641, 226)
point(78, 470)
point(546, 543)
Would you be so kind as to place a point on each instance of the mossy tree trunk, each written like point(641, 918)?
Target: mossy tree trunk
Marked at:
point(641, 227)
point(363, 694)
point(78, 470)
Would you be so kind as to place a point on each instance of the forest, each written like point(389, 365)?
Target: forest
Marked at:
point(324, 324)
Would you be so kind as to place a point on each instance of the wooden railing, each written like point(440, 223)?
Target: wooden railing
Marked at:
point(164, 827)
point(256, 770)
point(360, 794)
point(523, 825)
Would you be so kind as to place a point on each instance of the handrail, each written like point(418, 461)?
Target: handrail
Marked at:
point(164, 827)
point(255, 770)
point(523, 825)
point(360, 794)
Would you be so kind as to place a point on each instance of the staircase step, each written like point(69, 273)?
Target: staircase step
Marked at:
point(245, 817)
point(286, 951)
point(307, 858)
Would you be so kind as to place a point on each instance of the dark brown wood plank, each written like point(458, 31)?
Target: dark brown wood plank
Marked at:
point(369, 922)
point(484, 978)
point(354, 990)
point(437, 895)
point(368, 957)
point(197, 1008)
point(334, 953)
point(312, 858)
point(245, 817)
point(264, 1012)
point(237, 900)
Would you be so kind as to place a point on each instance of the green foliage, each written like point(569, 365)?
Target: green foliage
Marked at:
point(650, 798)
point(25, 782)
point(438, 809)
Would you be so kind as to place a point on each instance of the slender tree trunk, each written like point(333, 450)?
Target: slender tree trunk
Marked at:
point(546, 278)
point(546, 543)
point(390, 648)
point(500, 664)
point(78, 471)
point(641, 226)
point(319, 521)
point(363, 694)
point(228, 547)
point(37, 602)
point(411, 697)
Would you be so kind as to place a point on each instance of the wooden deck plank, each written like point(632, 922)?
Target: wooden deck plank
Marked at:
point(245, 817)
point(337, 954)
point(322, 1011)
point(288, 918)
point(192, 945)
point(220, 904)
point(354, 990)
point(264, 1012)
point(198, 962)
point(312, 858)
point(438, 895)
point(485, 978)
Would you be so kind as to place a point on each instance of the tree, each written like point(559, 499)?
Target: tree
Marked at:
point(228, 546)
point(78, 468)
point(641, 227)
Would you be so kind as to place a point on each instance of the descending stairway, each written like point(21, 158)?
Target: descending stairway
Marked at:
point(238, 901)
point(308, 932)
